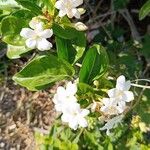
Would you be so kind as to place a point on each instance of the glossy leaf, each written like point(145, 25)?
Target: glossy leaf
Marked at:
point(94, 64)
point(71, 50)
point(23, 14)
point(84, 88)
point(145, 10)
point(65, 50)
point(79, 43)
point(31, 5)
point(43, 70)
point(10, 30)
point(64, 32)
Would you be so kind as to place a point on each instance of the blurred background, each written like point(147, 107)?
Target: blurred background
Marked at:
point(115, 24)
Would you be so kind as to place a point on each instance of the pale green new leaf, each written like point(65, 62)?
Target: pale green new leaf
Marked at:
point(14, 52)
point(8, 4)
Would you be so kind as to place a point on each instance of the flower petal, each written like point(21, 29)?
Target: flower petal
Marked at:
point(73, 123)
point(77, 3)
point(60, 90)
point(65, 118)
point(105, 101)
point(113, 92)
point(82, 122)
point(34, 22)
point(75, 13)
point(120, 82)
point(71, 88)
point(58, 107)
point(127, 86)
point(84, 112)
point(121, 107)
point(27, 33)
point(39, 27)
point(62, 13)
point(31, 43)
point(59, 4)
point(43, 44)
point(103, 109)
point(46, 33)
point(128, 96)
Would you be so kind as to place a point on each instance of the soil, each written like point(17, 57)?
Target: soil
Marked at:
point(21, 112)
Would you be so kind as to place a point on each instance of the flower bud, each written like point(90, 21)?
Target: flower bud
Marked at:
point(81, 10)
point(80, 26)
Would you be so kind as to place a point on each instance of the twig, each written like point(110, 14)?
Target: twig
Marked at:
point(100, 16)
point(113, 16)
point(97, 7)
point(125, 13)
point(141, 86)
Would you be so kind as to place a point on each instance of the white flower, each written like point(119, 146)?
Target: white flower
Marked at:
point(112, 123)
point(65, 97)
point(121, 92)
point(80, 26)
point(69, 8)
point(36, 37)
point(75, 116)
point(111, 107)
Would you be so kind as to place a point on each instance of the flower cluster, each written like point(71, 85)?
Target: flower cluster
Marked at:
point(66, 103)
point(118, 97)
point(116, 103)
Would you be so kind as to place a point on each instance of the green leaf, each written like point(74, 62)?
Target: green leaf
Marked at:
point(43, 70)
point(84, 88)
point(10, 29)
point(92, 140)
point(94, 65)
point(71, 50)
point(14, 52)
point(65, 32)
point(2, 16)
point(65, 50)
point(11, 25)
point(79, 43)
point(15, 40)
point(78, 39)
point(23, 14)
point(120, 4)
point(145, 10)
point(146, 45)
point(31, 5)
